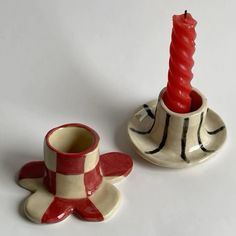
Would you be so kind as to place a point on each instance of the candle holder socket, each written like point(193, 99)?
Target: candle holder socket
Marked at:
point(176, 140)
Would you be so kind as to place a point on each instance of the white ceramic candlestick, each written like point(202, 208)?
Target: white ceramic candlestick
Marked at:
point(176, 140)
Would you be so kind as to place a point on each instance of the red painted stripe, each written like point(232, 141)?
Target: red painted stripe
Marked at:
point(34, 169)
point(61, 208)
point(115, 164)
point(86, 210)
point(92, 180)
point(50, 181)
point(70, 165)
point(57, 211)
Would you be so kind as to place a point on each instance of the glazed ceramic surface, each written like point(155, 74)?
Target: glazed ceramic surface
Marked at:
point(175, 140)
point(73, 178)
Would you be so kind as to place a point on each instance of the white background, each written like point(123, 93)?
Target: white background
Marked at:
point(95, 62)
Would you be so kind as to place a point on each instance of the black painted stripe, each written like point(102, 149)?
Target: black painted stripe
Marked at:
point(140, 132)
point(147, 131)
point(216, 131)
point(184, 139)
point(148, 110)
point(199, 136)
point(164, 137)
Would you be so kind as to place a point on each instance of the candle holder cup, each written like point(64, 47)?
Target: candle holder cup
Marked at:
point(73, 178)
point(176, 140)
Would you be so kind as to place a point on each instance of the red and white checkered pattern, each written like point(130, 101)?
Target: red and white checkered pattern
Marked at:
point(71, 176)
point(78, 183)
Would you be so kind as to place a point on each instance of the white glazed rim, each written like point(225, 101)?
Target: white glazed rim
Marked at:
point(87, 150)
point(188, 114)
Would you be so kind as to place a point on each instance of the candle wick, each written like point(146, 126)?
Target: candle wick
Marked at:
point(185, 14)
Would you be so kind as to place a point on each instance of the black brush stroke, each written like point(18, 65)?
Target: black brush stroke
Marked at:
point(140, 132)
point(184, 140)
point(164, 137)
point(148, 110)
point(199, 136)
point(147, 131)
point(216, 131)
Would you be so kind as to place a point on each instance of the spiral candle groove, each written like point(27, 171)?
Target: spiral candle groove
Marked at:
point(177, 96)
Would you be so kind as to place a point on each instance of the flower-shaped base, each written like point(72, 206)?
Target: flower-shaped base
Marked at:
point(45, 207)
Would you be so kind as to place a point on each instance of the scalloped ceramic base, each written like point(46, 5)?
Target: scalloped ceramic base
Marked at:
point(44, 207)
point(143, 119)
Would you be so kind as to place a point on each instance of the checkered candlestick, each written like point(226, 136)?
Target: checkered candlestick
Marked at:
point(72, 181)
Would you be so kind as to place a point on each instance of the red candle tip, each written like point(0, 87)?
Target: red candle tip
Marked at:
point(185, 19)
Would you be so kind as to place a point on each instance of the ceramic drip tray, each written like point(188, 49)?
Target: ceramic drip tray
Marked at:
point(175, 140)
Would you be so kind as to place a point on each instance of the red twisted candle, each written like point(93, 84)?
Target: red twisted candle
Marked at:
point(177, 96)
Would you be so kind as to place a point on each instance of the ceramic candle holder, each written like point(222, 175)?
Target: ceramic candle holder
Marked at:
point(73, 178)
point(176, 140)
